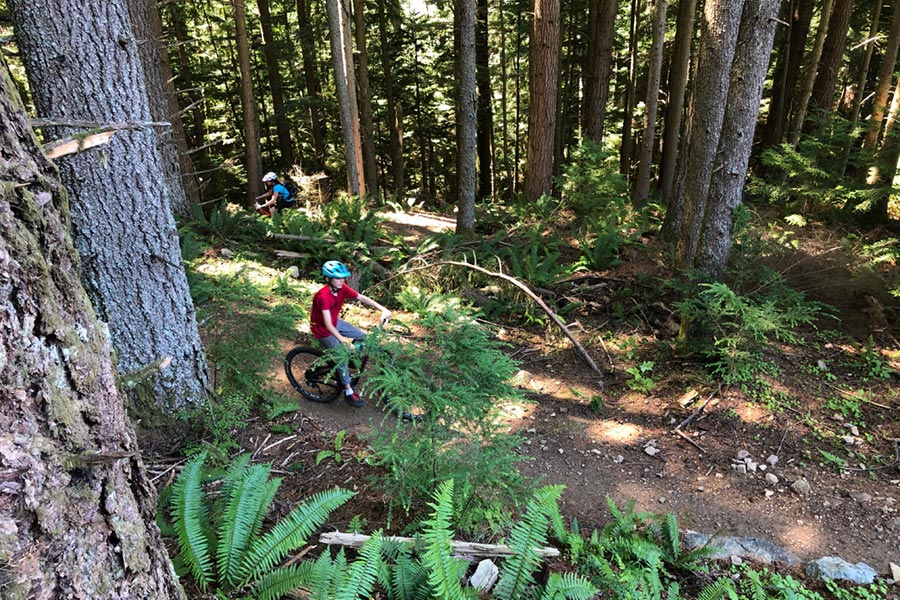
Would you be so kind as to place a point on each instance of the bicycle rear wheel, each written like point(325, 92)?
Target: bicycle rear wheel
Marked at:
point(315, 379)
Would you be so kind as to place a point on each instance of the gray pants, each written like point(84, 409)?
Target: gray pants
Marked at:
point(346, 330)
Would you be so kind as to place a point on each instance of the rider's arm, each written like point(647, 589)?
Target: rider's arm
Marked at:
point(385, 313)
point(326, 318)
point(273, 198)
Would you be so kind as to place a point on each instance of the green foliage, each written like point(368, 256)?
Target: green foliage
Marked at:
point(336, 453)
point(744, 326)
point(220, 538)
point(224, 222)
point(591, 183)
point(640, 379)
point(874, 366)
point(457, 378)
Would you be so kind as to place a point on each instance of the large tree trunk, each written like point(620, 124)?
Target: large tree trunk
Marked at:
point(87, 69)
point(885, 79)
point(77, 510)
point(173, 148)
point(394, 111)
point(798, 109)
point(748, 75)
point(787, 70)
point(276, 88)
point(648, 137)
point(311, 77)
point(625, 148)
point(822, 98)
point(485, 102)
point(678, 78)
point(863, 72)
point(886, 163)
point(601, 31)
point(706, 113)
point(252, 150)
point(367, 129)
point(543, 77)
point(345, 86)
point(466, 116)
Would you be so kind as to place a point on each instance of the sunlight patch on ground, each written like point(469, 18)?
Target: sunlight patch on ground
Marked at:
point(802, 537)
point(615, 433)
point(751, 413)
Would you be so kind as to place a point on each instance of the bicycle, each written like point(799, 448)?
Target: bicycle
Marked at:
point(317, 377)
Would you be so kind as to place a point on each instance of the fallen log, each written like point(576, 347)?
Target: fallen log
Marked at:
point(467, 550)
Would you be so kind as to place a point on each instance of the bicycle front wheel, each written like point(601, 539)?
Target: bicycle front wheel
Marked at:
point(315, 379)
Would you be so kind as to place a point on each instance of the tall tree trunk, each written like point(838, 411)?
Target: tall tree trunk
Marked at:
point(787, 70)
point(466, 115)
point(798, 110)
point(886, 163)
point(311, 77)
point(707, 110)
point(517, 152)
point(252, 150)
point(345, 85)
point(543, 77)
point(748, 75)
point(864, 64)
point(648, 137)
point(424, 163)
point(885, 78)
point(122, 218)
point(822, 98)
point(367, 129)
point(276, 88)
point(485, 102)
point(504, 106)
point(164, 105)
point(394, 108)
point(78, 510)
point(601, 31)
point(678, 77)
point(628, 114)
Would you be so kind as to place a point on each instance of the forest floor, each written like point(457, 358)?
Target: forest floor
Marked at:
point(832, 420)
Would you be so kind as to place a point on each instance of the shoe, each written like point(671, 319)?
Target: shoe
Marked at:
point(354, 400)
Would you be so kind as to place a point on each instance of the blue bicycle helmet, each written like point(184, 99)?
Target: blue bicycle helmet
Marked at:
point(334, 268)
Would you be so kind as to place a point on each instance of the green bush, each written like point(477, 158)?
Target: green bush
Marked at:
point(218, 523)
point(457, 378)
point(591, 183)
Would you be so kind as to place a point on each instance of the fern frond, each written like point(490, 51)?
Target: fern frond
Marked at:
point(722, 587)
point(282, 581)
point(406, 578)
point(757, 589)
point(320, 577)
point(189, 517)
point(670, 542)
point(527, 534)
point(238, 519)
point(361, 579)
point(443, 570)
point(291, 532)
point(235, 471)
point(568, 586)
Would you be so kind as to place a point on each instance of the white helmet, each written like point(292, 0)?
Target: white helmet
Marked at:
point(270, 176)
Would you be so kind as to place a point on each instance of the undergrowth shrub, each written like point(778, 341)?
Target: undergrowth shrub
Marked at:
point(457, 378)
point(591, 184)
point(217, 519)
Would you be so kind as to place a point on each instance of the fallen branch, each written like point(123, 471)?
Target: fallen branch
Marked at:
point(684, 436)
point(466, 550)
point(584, 353)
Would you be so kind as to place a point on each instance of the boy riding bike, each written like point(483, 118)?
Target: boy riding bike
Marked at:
point(329, 329)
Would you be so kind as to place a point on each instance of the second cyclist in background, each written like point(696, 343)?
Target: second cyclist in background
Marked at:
point(326, 325)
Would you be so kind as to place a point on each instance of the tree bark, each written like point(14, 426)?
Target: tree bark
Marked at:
point(628, 112)
point(345, 86)
point(678, 78)
point(706, 113)
point(543, 77)
point(601, 31)
point(77, 511)
point(311, 77)
point(253, 152)
point(87, 68)
point(164, 107)
point(822, 98)
point(394, 111)
point(648, 137)
point(799, 110)
point(367, 129)
point(466, 116)
point(748, 75)
point(886, 163)
point(485, 102)
point(276, 88)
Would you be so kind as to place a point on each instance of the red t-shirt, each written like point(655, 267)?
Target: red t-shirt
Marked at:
point(326, 300)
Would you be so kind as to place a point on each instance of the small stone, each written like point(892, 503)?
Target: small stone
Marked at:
point(769, 493)
point(662, 499)
point(895, 572)
point(651, 450)
point(485, 576)
point(596, 451)
point(561, 451)
point(801, 486)
point(763, 467)
point(772, 478)
point(854, 430)
point(861, 497)
point(226, 253)
point(736, 560)
point(531, 430)
point(848, 439)
point(751, 466)
point(742, 469)
point(618, 459)
point(837, 417)
point(772, 460)
point(742, 454)
point(821, 364)
point(294, 272)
